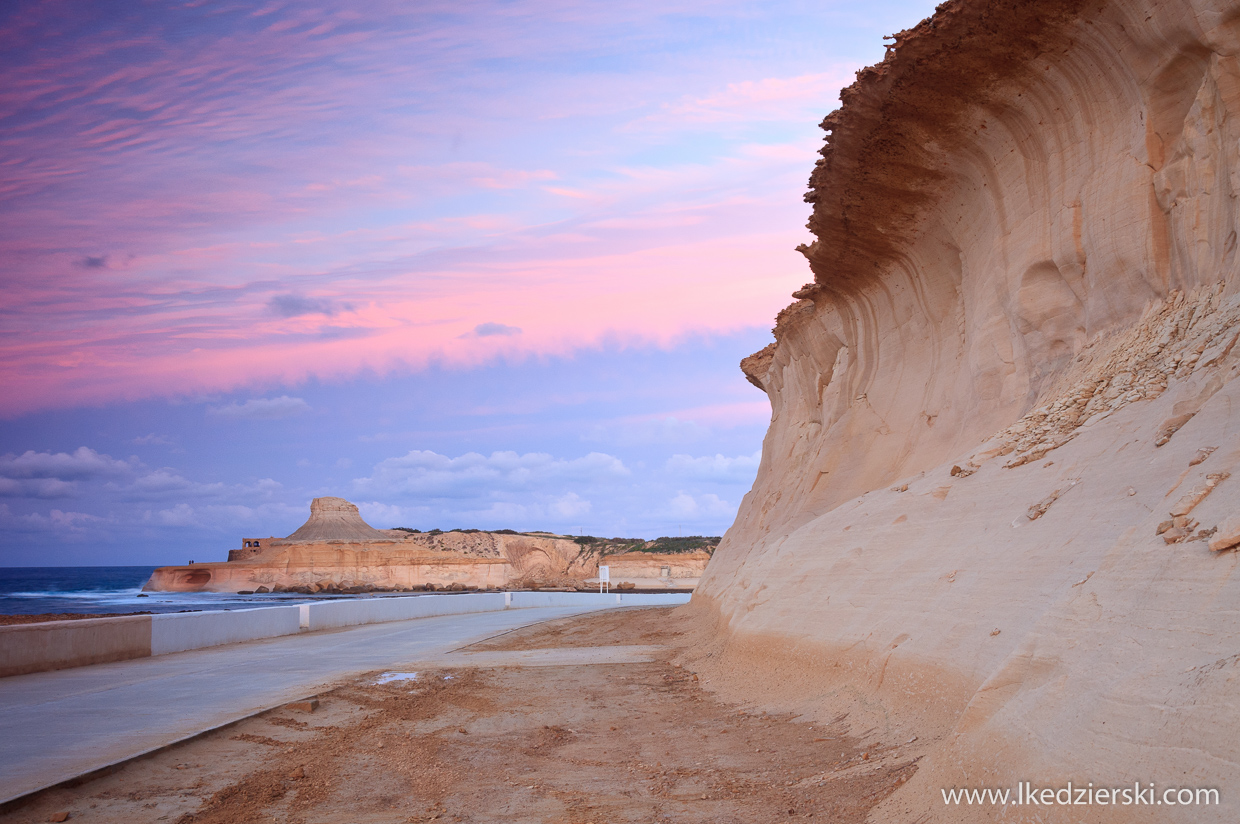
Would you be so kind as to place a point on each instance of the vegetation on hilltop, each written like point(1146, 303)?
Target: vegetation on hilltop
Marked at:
point(665, 545)
point(592, 545)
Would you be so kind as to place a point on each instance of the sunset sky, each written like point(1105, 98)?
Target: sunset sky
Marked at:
point(468, 264)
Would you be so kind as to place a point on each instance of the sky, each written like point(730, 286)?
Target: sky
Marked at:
point(473, 264)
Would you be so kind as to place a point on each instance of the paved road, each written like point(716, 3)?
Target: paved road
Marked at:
point(58, 725)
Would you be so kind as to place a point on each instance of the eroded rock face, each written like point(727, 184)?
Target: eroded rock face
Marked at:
point(1025, 268)
point(335, 519)
point(337, 550)
point(396, 560)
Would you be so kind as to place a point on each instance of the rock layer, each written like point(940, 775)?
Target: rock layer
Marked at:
point(1012, 379)
point(337, 549)
point(335, 519)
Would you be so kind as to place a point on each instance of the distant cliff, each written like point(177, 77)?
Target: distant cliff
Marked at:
point(993, 514)
point(336, 550)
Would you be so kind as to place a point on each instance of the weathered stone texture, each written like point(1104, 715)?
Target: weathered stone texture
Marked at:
point(1025, 267)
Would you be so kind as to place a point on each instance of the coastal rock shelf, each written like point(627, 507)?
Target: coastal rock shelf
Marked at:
point(336, 550)
point(997, 497)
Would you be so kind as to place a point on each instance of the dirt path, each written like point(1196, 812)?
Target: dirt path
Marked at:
point(587, 742)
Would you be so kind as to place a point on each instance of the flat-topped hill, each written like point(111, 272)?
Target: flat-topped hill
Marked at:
point(336, 550)
point(335, 519)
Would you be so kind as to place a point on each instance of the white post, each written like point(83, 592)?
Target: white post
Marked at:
point(604, 578)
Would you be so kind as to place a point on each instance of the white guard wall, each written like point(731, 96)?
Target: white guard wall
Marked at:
point(63, 644)
point(526, 600)
point(193, 630)
point(333, 614)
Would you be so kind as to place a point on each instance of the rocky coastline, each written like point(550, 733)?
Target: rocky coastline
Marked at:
point(336, 552)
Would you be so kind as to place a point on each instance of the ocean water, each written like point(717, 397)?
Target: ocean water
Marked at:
point(34, 590)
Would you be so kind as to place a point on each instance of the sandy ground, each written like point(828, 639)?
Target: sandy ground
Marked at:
point(472, 739)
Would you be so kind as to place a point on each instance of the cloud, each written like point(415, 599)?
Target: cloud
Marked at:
point(570, 506)
point(239, 177)
point(718, 468)
point(253, 174)
point(155, 440)
point(425, 473)
point(167, 483)
point(83, 463)
point(512, 179)
point(486, 330)
point(772, 98)
point(509, 512)
point(57, 474)
point(425, 489)
point(37, 488)
point(180, 515)
point(682, 426)
point(261, 409)
point(223, 519)
point(381, 515)
point(291, 306)
point(57, 521)
point(648, 429)
point(695, 506)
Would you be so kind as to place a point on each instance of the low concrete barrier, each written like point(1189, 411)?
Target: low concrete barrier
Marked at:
point(61, 644)
point(528, 600)
point(653, 599)
point(333, 614)
point(177, 632)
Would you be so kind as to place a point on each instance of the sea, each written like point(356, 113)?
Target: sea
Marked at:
point(112, 590)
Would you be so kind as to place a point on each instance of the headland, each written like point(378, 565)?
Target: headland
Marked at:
point(336, 551)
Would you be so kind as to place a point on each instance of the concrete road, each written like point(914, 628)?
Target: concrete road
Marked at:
point(59, 725)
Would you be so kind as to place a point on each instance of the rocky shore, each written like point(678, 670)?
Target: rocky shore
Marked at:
point(337, 552)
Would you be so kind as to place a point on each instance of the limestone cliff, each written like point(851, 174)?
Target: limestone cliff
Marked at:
point(1001, 475)
point(337, 550)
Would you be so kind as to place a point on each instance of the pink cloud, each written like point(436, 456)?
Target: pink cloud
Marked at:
point(652, 295)
point(720, 415)
point(512, 179)
point(170, 205)
point(658, 254)
point(772, 98)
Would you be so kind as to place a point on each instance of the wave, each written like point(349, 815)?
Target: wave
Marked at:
point(85, 594)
